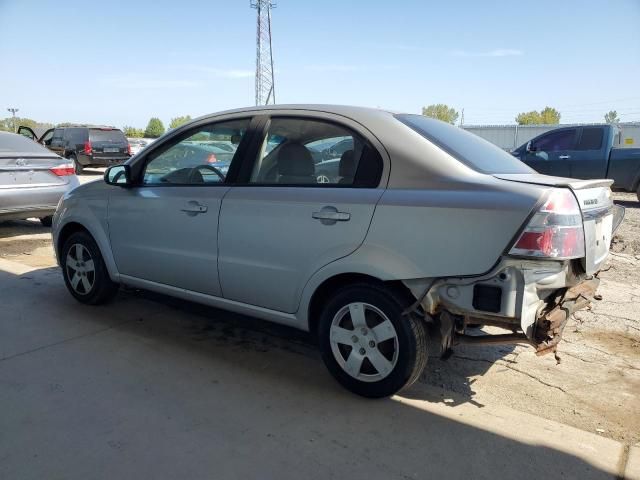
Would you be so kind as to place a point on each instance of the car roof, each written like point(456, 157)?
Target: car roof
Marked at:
point(357, 113)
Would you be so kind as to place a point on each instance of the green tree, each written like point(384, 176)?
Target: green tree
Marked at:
point(154, 129)
point(132, 132)
point(441, 111)
point(529, 118)
point(548, 116)
point(177, 121)
point(6, 124)
point(611, 117)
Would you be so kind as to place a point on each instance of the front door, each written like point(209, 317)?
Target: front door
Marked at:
point(165, 230)
point(550, 153)
point(288, 220)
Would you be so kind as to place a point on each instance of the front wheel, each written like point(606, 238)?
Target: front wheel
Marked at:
point(368, 345)
point(85, 273)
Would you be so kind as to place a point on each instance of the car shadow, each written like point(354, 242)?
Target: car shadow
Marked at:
point(188, 377)
point(14, 228)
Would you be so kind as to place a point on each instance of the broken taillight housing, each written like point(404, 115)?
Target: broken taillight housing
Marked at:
point(555, 230)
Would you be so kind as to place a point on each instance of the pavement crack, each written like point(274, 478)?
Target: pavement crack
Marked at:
point(530, 375)
point(66, 340)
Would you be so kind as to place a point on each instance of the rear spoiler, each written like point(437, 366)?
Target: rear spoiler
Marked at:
point(538, 179)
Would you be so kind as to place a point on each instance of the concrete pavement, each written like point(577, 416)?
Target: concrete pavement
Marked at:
point(151, 388)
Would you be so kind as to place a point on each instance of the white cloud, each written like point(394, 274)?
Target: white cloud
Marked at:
point(221, 72)
point(498, 52)
point(348, 68)
point(139, 82)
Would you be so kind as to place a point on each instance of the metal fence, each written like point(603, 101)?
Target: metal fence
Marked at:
point(509, 137)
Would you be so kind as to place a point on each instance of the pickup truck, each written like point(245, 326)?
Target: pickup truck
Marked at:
point(584, 152)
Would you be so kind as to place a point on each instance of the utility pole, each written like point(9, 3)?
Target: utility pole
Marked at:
point(462, 118)
point(13, 112)
point(265, 82)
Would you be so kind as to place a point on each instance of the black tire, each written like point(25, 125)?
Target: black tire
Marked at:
point(102, 289)
point(46, 221)
point(410, 334)
point(76, 165)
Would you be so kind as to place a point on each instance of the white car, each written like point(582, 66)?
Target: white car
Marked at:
point(425, 230)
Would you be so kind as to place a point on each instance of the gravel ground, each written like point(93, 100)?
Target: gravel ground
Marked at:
point(596, 385)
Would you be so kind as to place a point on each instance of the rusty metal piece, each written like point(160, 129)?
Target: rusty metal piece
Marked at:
point(550, 326)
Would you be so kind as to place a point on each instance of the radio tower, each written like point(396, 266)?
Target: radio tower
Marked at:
point(265, 84)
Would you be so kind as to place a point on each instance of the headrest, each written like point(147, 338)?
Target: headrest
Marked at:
point(295, 160)
point(347, 167)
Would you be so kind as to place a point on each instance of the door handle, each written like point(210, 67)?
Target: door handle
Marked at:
point(331, 215)
point(564, 157)
point(193, 208)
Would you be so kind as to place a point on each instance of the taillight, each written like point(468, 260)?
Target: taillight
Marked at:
point(555, 230)
point(212, 158)
point(128, 149)
point(87, 147)
point(63, 170)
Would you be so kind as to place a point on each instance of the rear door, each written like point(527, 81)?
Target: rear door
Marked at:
point(551, 153)
point(282, 225)
point(165, 229)
point(589, 160)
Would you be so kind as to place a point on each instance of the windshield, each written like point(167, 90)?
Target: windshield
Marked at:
point(107, 136)
point(466, 147)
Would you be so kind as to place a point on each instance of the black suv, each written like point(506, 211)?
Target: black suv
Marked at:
point(84, 145)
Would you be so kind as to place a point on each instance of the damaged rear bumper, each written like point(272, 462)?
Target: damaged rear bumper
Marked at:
point(532, 299)
point(549, 327)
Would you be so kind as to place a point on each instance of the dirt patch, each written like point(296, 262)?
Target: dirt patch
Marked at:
point(627, 238)
point(26, 241)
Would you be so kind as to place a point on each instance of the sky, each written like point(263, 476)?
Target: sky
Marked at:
point(120, 63)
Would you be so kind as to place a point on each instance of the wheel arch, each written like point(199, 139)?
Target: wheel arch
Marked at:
point(72, 226)
point(332, 284)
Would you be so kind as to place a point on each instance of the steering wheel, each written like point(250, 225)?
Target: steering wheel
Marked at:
point(194, 170)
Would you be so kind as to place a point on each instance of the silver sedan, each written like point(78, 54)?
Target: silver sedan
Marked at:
point(32, 179)
point(423, 230)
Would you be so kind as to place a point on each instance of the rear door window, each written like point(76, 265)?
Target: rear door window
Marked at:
point(591, 138)
point(309, 152)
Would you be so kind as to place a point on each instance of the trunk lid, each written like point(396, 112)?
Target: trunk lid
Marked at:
point(30, 171)
point(600, 217)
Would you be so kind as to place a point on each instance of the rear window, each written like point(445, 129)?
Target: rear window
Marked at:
point(11, 143)
point(466, 147)
point(107, 136)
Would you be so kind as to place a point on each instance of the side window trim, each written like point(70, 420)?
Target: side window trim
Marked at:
point(151, 155)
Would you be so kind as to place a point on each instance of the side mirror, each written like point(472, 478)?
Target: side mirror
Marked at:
point(118, 175)
point(530, 147)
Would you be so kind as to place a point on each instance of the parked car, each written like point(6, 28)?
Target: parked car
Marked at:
point(32, 179)
point(136, 145)
point(588, 151)
point(436, 229)
point(84, 145)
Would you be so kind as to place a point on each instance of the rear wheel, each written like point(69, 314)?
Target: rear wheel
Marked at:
point(46, 221)
point(85, 273)
point(368, 345)
point(76, 165)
